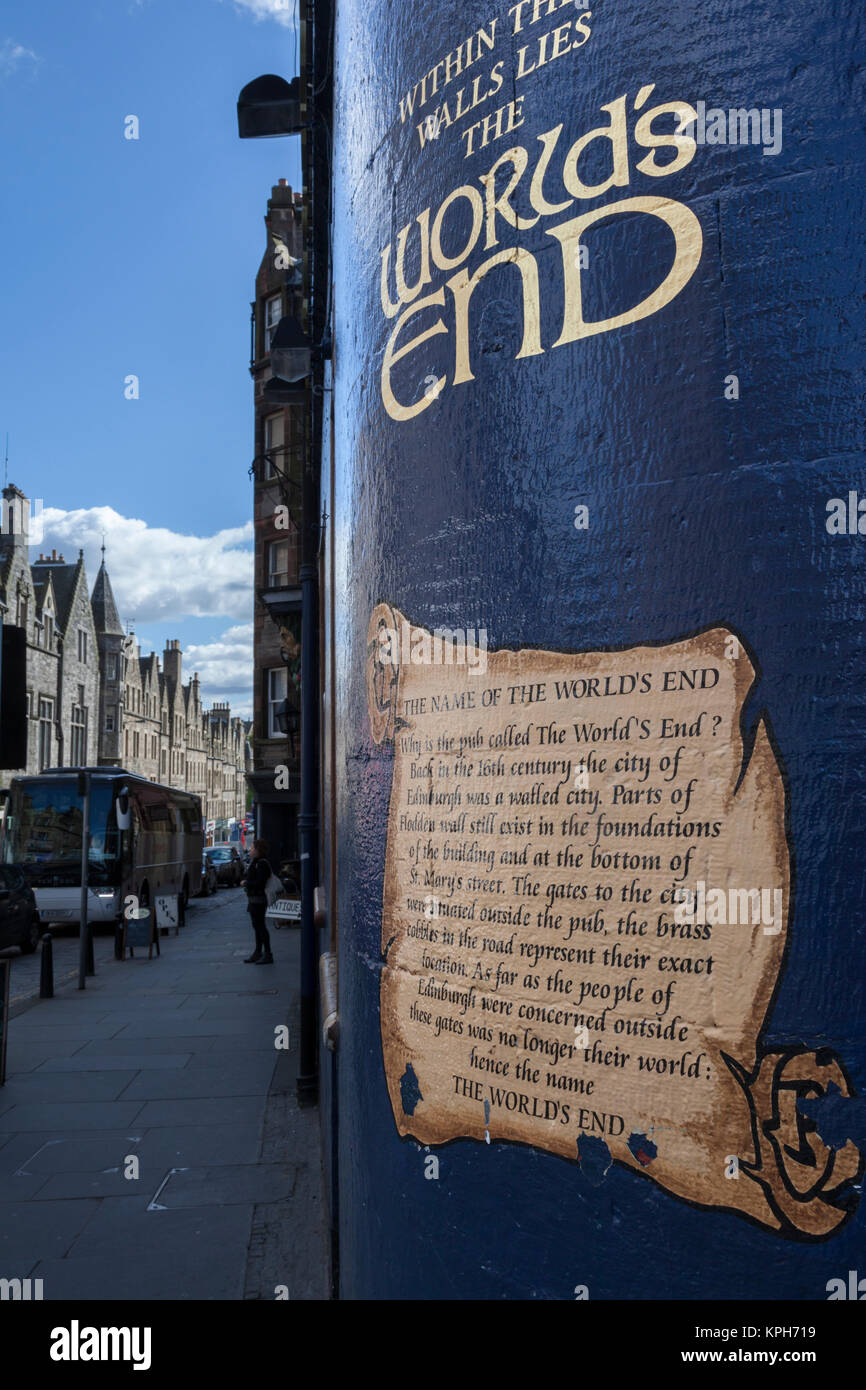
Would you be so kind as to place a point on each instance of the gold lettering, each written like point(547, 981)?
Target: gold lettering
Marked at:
point(536, 193)
point(474, 197)
point(519, 158)
point(689, 244)
point(686, 146)
point(406, 293)
point(617, 134)
point(394, 355)
point(463, 286)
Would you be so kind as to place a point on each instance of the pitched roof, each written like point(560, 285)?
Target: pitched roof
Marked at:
point(105, 615)
point(65, 579)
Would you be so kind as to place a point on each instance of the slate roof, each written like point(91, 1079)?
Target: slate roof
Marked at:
point(105, 615)
point(64, 579)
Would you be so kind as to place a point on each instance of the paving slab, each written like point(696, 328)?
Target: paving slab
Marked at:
point(31, 1231)
point(180, 1027)
point(74, 1153)
point(109, 1183)
point(131, 1062)
point(249, 1075)
point(140, 1280)
point(245, 1112)
point(28, 1028)
point(198, 1146)
point(64, 1086)
point(229, 1185)
point(24, 1056)
point(142, 1046)
point(51, 1115)
point(122, 1228)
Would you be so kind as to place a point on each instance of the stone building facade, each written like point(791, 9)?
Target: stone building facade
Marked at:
point(277, 473)
point(93, 699)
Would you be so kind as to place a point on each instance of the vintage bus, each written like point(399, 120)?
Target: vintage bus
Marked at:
point(159, 854)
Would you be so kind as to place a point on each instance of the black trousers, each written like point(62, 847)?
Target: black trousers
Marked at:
point(257, 917)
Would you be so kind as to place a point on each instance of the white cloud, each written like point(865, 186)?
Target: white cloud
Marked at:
point(225, 668)
point(12, 54)
point(158, 575)
point(283, 11)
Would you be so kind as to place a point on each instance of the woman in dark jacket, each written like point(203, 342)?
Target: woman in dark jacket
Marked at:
point(257, 876)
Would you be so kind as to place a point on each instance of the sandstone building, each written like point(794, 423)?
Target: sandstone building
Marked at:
point(277, 472)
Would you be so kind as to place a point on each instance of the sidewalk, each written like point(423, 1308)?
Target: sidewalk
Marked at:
point(170, 1061)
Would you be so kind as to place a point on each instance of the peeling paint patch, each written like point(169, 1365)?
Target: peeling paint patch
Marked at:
point(839, 1119)
point(594, 1158)
point(486, 1121)
point(643, 1149)
point(410, 1090)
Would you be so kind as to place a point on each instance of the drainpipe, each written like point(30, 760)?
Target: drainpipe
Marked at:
point(308, 818)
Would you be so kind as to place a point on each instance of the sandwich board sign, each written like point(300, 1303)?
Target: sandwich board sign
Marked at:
point(168, 912)
point(139, 929)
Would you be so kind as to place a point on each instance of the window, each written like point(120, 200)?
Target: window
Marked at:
point(135, 745)
point(275, 438)
point(82, 646)
point(46, 720)
point(78, 740)
point(111, 667)
point(49, 632)
point(278, 689)
point(111, 719)
point(273, 314)
point(278, 563)
point(29, 704)
point(21, 620)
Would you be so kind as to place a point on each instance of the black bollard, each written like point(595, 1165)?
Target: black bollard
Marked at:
point(91, 969)
point(118, 941)
point(46, 972)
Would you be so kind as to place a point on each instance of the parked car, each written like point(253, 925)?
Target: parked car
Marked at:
point(226, 860)
point(19, 918)
point(209, 878)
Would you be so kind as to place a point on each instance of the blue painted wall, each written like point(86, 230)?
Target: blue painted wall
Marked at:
point(703, 510)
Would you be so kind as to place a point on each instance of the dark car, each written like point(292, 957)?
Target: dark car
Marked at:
point(227, 862)
point(19, 918)
point(209, 879)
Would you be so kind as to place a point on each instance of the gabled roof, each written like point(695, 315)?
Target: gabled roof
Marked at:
point(65, 580)
point(42, 586)
point(105, 616)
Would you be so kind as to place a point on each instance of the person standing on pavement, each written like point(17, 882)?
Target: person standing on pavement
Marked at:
point(257, 875)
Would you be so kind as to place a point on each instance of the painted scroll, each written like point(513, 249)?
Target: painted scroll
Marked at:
point(586, 905)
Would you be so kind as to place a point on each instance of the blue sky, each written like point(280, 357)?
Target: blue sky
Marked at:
point(138, 257)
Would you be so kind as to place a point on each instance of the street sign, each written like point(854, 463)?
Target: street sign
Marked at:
point(284, 910)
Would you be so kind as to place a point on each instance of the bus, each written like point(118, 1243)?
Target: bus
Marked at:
point(159, 854)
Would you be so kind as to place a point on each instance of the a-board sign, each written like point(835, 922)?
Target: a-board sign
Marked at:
point(168, 911)
point(139, 930)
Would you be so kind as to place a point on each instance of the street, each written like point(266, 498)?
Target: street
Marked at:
point(151, 1146)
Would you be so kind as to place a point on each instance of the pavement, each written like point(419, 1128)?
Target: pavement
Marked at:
point(151, 1146)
